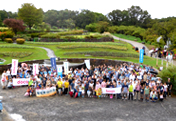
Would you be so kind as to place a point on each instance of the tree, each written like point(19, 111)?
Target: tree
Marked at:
point(30, 14)
point(70, 23)
point(85, 18)
point(138, 17)
point(14, 24)
point(102, 26)
point(51, 17)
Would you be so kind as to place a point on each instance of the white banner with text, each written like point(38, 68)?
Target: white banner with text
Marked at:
point(21, 81)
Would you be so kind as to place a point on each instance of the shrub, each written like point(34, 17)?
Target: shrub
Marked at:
point(34, 35)
point(20, 41)
point(8, 40)
point(169, 73)
point(9, 34)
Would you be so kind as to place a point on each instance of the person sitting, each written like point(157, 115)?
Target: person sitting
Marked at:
point(153, 95)
point(10, 84)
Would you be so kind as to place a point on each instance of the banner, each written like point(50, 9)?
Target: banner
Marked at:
point(35, 69)
point(66, 67)
point(87, 62)
point(53, 64)
point(14, 67)
point(59, 70)
point(46, 92)
point(111, 90)
point(141, 56)
point(21, 81)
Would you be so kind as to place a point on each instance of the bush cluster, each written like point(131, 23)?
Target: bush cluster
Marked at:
point(169, 73)
point(57, 35)
point(8, 40)
point(33, 35)
point(20, 41)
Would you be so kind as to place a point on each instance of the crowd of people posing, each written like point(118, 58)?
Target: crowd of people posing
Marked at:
point(136, 82)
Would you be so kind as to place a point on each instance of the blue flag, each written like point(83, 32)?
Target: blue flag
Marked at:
point(141, 56)
point(53, 64)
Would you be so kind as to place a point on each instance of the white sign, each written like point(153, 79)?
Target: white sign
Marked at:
point(35, 69)
point(66, 67)
point(21, 81)
point(87, 62)
point(14, 66)
point(111, 90)
point(45, 92)
point(59, 68)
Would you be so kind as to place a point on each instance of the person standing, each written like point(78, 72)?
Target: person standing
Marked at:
point(124, 91)
point(169, 85)
point(146, 93)
point(130, 91)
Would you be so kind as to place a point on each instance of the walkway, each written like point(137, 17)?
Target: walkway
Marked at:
point(133, 43)
point(50, 53)
point(139, 45)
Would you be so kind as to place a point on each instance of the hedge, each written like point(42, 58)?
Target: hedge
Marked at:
point(20, 41)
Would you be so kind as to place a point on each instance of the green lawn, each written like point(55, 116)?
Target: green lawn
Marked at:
point(59, 52)
point(21, 52)
point(62, 48)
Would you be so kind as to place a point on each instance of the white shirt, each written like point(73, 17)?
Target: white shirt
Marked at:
point(132, 77)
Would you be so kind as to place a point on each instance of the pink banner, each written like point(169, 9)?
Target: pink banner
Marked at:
point(35, 69)
point(14, 66)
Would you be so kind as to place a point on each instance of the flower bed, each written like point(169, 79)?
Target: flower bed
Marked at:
point(16, 54)
point(113, 54)
point(94, 46)
point(104, 39)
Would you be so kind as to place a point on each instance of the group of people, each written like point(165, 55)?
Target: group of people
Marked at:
point(135, 82)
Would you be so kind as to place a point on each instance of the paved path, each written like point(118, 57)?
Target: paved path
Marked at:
point(135, 44)
point(50, 53)
point(139, 45)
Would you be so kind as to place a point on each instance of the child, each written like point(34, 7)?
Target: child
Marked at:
point(142, 93)
point(111, 86)
point(88, 92)
point(165, 90)
point(83, 92)
point(99, 92)
point(161, 97)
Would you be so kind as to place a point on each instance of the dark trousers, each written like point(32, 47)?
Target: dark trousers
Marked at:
point(169, 91)
point(118, 96)
point(130, 95)
point(65, 90)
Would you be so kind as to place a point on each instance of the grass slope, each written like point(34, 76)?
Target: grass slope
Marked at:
point(61, 52)
point(37, 53)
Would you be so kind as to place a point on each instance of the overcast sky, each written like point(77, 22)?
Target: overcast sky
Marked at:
point(156, 8)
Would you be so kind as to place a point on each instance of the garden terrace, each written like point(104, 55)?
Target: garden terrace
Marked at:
point(64, 50)
point(21, 52)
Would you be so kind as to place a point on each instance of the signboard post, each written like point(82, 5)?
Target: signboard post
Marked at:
point(35, 69)
point(87, 62)
point(66, 67)
point(141, 56)
point(14, 66)
point(53, 64)
point(59, 70)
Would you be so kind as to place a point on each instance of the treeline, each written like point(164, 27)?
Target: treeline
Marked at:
point(133, 16)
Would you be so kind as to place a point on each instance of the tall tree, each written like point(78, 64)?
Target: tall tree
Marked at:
point(30, 14)
point(14, 24)
point(85, 17)
point(137, 16)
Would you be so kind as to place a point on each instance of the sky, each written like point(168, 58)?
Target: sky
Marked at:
point(156, 8)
